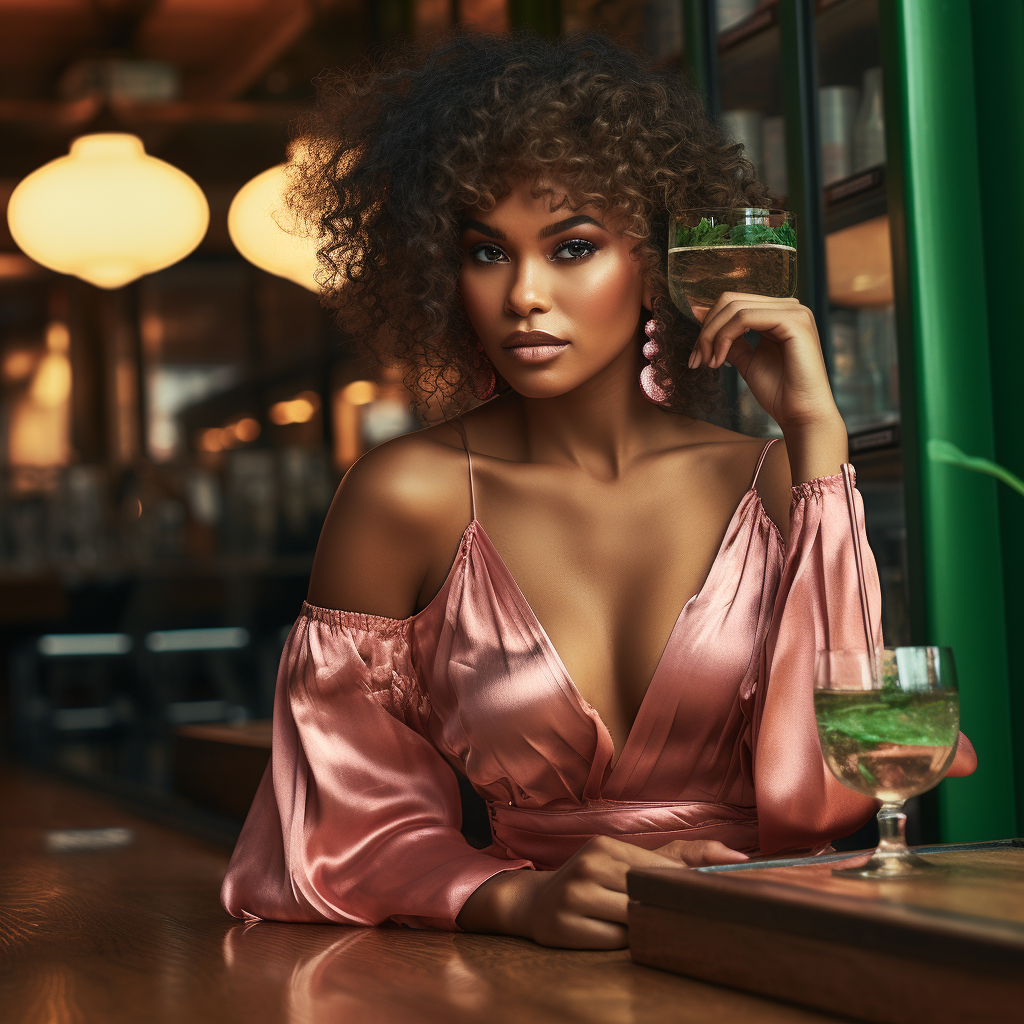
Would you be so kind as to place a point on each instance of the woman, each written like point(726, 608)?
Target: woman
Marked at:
point(598, 607)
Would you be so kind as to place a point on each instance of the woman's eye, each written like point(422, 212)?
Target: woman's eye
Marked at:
point(487, 254)
point(575, 249)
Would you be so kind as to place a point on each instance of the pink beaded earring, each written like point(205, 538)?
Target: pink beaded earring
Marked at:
point(652, 350)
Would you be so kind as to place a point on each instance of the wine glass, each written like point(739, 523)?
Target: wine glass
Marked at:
point(740, 249)
point(889, 731)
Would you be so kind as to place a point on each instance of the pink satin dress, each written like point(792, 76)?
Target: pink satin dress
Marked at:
point(357, 818)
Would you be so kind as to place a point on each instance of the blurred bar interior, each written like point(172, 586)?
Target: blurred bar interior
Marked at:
point(170, 446)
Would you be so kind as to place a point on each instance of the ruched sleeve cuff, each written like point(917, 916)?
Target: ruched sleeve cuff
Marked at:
point(800, 805)
point(357, 818)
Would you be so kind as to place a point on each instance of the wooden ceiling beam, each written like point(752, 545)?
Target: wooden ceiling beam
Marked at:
point(258, 43)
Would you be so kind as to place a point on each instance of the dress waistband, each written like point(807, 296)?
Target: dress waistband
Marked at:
point(550, 837)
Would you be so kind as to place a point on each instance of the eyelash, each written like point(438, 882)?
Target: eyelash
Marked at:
point(590, 250)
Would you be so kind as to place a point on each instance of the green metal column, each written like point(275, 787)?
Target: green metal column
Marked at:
point(953, 523)
point(998, 27)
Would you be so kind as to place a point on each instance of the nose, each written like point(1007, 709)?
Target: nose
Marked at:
point(528, 292)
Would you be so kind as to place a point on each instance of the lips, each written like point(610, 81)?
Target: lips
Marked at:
point(532, 339)
point(533, 346)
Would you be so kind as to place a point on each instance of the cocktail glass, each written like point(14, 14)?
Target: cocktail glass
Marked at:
point(889, 734)
point(738, 249)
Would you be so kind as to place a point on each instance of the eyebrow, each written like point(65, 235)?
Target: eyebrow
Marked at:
point(551, 229)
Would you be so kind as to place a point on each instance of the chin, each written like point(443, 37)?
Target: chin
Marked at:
point(548, 385)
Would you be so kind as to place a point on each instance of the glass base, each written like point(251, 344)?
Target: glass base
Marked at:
point(889, 865)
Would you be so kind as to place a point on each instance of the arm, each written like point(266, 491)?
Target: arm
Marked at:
point(799, 802)
point(357, 818)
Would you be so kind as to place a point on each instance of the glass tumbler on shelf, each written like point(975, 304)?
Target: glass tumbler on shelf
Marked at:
point(889, 731)
point(742, 249)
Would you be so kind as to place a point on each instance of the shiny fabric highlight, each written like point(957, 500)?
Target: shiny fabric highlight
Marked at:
point(357, 819)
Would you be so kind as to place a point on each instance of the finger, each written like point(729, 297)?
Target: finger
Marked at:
point(699, 853)
point(588, 933)
point(739, 354)
point(719, 315)
point(591, 899)
point(770, 321)
point(758, 299)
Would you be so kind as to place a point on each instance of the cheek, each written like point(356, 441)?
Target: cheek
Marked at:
point(478, 299)
point(606, 293)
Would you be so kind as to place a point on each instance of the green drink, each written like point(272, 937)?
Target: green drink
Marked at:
point(742, 249)
point(889, 744)
point(889, 727)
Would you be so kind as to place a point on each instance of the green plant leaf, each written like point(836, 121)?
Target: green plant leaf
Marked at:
point(944, 451)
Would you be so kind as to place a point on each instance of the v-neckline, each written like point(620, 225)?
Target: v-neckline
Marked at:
point(749, 496)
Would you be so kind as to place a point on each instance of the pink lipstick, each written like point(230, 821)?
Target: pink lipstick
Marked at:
point(533, 346)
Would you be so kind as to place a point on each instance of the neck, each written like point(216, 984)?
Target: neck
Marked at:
point(602, 426)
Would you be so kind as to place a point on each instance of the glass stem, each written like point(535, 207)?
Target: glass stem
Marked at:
point(892, 829)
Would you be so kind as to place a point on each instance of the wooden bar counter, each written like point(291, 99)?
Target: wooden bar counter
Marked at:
point(108, 919)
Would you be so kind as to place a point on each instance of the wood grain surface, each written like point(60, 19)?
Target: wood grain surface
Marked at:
point(133, 932)
point(945, 947)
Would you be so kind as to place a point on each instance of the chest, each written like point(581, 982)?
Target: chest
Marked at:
point(606, 570)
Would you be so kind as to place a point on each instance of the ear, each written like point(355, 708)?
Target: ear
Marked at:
point(647, 295)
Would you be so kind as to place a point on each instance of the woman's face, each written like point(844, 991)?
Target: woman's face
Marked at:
point(554, 297)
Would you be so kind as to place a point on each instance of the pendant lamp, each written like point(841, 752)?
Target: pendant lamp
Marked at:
point(107, 212)
point(267, 234)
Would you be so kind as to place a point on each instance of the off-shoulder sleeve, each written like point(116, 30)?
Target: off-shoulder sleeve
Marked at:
point(357, 817)
point(800, 805)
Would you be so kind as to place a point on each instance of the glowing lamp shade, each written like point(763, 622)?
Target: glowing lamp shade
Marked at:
point(107, 212)
point(266, 234)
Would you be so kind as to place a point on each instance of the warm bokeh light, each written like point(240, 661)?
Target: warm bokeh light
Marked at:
point(300, 409)
point(246, 429)
point(267, 234)
point(39, 418)
point(219, 439)
point(107, 213)
point(347, 404)
point(359, 392)
point(51, 385)
point(18, 364)
point(58, 337)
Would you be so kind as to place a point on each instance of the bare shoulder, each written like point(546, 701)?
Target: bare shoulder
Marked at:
point(398, 514)
point(736, 456)
point(774, 486)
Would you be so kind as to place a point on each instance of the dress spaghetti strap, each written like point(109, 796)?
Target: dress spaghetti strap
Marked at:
point(458, 425)
point(760, 462)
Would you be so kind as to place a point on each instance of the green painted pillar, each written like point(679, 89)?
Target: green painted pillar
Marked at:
point(953, 521)
point(998, 35)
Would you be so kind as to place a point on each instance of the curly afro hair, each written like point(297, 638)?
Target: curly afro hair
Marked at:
point(394, 152)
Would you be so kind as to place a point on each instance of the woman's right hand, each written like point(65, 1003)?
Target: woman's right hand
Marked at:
point(583, 904)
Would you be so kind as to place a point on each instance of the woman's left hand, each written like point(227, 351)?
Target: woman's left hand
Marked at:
point(786, 372)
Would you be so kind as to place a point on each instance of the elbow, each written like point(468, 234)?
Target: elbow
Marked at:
point(965, 761)
point(804, 820)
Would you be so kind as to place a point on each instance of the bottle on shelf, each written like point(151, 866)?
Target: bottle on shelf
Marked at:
point(869, 128)
point(773, 155)
point(744, 127)
point(837, 106)
point(729, 13)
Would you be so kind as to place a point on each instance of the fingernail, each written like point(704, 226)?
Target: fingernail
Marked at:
point(693, 360)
